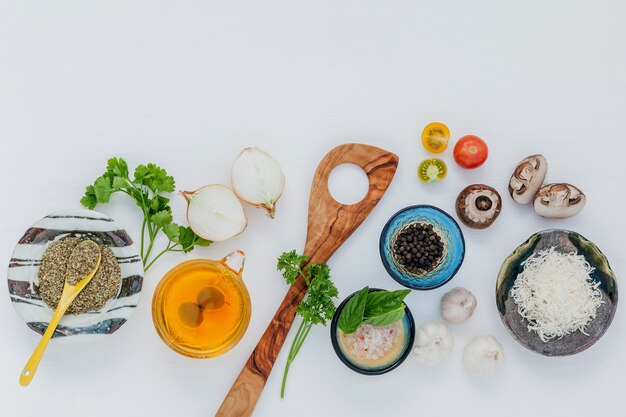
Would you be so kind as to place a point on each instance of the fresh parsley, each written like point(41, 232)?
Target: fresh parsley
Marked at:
point(317, 308)
point(146, 187)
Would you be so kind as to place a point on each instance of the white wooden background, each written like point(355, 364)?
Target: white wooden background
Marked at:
point(188, 84)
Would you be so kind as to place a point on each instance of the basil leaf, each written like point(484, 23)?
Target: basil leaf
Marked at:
point(382, 302)
point(352, 314)
point(387, 318)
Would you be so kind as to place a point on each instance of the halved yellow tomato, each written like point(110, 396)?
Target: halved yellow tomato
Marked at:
point(435, 137)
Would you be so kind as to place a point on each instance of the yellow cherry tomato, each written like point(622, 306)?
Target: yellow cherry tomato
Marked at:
point(435, 137)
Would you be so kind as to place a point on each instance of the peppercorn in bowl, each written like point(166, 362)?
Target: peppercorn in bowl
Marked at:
point(422, 247)
point(37, 273)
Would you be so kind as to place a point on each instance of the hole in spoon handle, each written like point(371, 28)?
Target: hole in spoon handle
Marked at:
point(235, 255)
point(26, 376)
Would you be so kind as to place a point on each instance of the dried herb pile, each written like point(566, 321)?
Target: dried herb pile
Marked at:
point(54, 269)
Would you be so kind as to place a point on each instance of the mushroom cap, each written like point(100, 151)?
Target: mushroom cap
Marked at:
point(528, 178)
point(559, 201)
point(478, 206)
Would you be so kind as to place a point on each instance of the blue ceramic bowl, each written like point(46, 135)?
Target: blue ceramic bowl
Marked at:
point(445, 226)
point(409, 336)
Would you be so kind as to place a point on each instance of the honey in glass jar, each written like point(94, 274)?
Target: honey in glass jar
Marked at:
point(201, 308)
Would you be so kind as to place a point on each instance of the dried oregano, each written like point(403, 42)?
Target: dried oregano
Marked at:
point(55, 268)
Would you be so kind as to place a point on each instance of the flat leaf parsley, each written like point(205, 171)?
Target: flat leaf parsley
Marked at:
point(146, 187)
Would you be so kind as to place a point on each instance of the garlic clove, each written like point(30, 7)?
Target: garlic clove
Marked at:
point(215, 213)
point(433, 343)
point(457, 305)
point(258, 179)
point(482, 356)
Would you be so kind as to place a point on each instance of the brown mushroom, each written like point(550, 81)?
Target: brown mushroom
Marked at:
point(478, 206)
point(528, 178)
point(559, 201)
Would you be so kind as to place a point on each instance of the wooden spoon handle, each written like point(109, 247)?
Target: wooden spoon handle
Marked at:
point(330, 224)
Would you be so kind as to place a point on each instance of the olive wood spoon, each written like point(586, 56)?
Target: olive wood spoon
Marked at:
point(330, 224)
point(69, 294)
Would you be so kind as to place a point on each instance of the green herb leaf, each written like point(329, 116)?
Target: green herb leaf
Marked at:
point(351, 316)
point(159, 203)
point(140, 173)
point(318, 307)
point(162, 218)
point(117, 167)
point(171, 231)
point(200, 241)
point(89, 200)
point(316, 271)
point(155, 178)
point(186, 238)
point(290, 263)
point(387, 318)
point(382, 302)
point(102, 189)
point(142, 199)
point(119, 183)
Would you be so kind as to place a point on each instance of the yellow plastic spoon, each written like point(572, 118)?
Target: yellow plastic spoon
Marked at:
point(69, 294)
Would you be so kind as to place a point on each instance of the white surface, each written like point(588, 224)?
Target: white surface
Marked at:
point(187, 84)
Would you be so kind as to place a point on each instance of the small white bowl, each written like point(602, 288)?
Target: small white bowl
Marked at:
point(26, 260)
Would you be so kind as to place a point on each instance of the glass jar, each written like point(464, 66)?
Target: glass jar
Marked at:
point(201, 308)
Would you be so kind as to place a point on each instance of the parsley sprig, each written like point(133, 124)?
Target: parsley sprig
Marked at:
point(317, 308)
point(147, 186)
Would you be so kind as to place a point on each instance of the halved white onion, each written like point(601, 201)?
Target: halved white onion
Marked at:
point(258, 179)
point(215, 213)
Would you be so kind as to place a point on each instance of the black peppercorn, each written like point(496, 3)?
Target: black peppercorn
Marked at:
point(417, 248)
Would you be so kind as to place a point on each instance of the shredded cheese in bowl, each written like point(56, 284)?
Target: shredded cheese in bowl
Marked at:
point(556, 293)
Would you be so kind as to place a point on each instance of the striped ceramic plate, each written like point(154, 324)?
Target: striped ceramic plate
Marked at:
point(24, 265)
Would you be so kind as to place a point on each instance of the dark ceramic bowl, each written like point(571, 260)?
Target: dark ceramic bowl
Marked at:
point(564, 241)
point(409, 330)
point(445, 226)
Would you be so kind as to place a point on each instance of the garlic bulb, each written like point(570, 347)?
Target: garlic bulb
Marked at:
point(258, 179)
point(457, 305)
point(433, 343)
point(215, 213)
point(482, 356)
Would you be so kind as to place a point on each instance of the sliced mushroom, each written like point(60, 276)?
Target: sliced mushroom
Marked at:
point(559, 201)
point(478, 206)
point(528, 178)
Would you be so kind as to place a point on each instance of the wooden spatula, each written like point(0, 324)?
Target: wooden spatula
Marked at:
point(330, 224)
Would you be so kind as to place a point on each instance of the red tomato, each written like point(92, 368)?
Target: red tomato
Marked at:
point(470, 152)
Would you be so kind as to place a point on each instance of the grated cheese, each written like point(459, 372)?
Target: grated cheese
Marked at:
point(556, 293)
